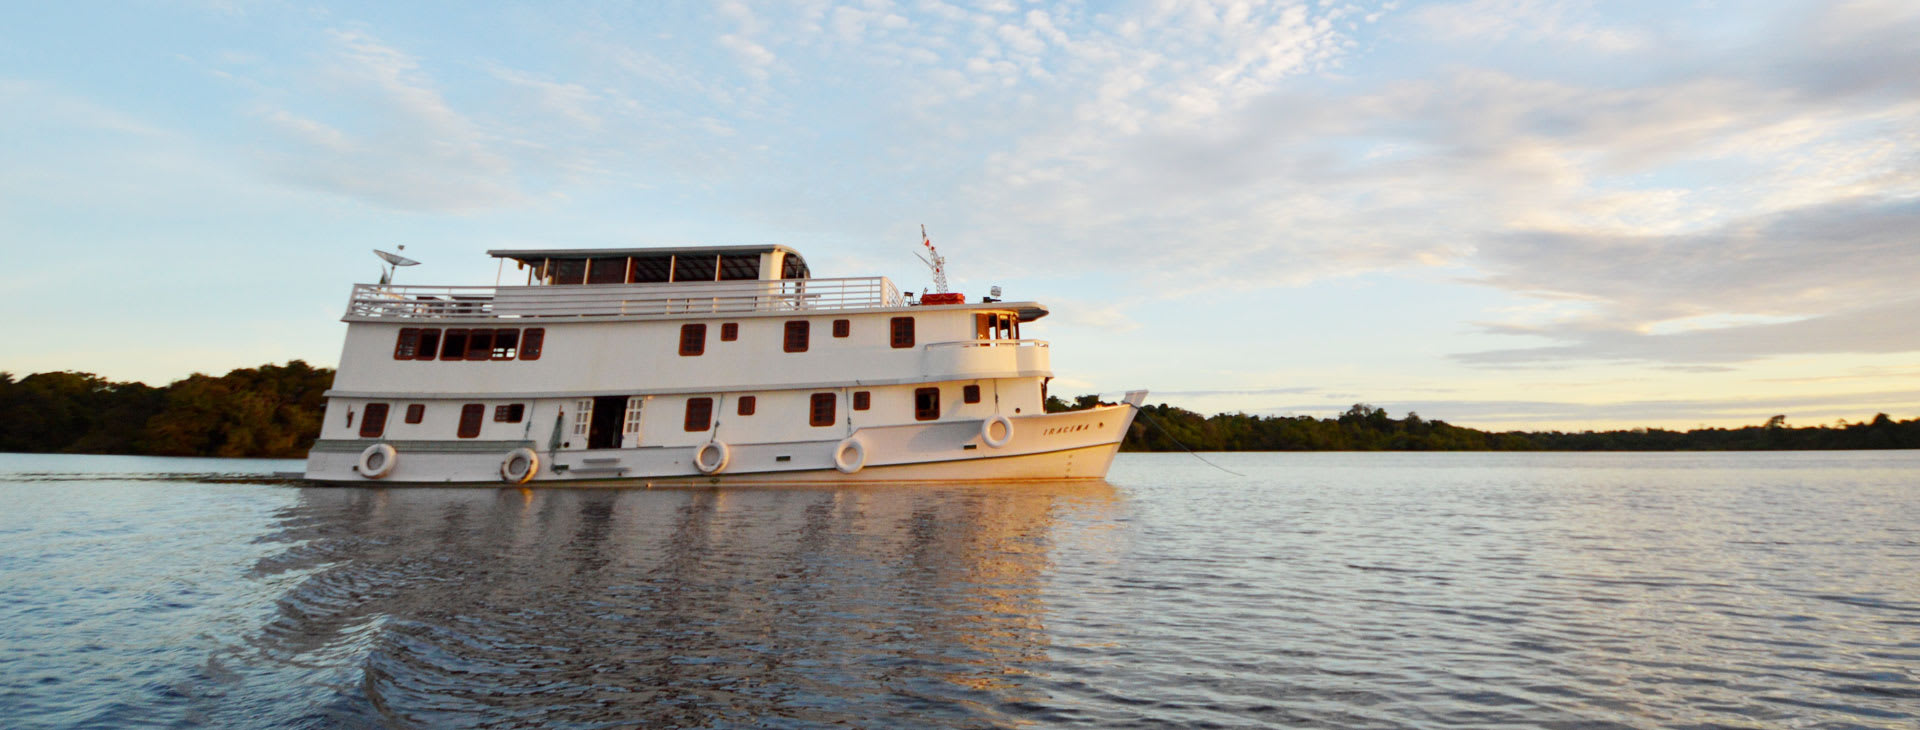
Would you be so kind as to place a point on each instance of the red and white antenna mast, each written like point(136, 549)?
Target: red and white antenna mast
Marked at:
point(938, 263)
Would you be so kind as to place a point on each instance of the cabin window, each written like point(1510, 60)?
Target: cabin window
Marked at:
point(607, 271)
point(821, 414)
point(531, 342)
point(926, 404)
point(454, 346)
point(429, 344)
point(479, 344)
point(862, 400)
point(407, 345)
point(470, 415)
point(693, 339)
point(970, 394)
point(373, 420)
point(651, 269)
point(1006, 326)
point(567, 271)
point(902, 335)
point(745, 405)
point(510, 413)
point(694, 268)
point(729, 331)
point(505, 344)
point(842, 327)
point(739, 267)
point(796, 339)
point(416, 412)
point(699, 414)
point(793, 267)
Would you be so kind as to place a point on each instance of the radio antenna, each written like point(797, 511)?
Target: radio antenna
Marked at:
point(937, 263)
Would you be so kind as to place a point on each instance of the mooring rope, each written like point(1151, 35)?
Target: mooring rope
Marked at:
point(1176, 442)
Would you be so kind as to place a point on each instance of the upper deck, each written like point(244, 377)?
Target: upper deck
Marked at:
point(633, 283)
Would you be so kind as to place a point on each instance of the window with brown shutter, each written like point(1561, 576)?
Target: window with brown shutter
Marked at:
point(505, 342)
point(796, 339)
point(531, 341)
point(470, 416)
point(454, 345)
point(970, 394)
point(699, 414)
point(373, 420)
point(902, 332)
point(862, 400)
point(821, 414)
point(842, 327)
point(745, 405)
point(416, 412)
point(429, 344)
point(729, 331)
point(407, 345)
point(693, 339)
point(926, 404)
point(479, 344)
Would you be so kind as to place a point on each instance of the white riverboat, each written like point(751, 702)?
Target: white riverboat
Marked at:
point(727, 364)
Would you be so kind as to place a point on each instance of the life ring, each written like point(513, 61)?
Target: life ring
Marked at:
point(519, 466)
point(722, 454)
point(377, 461)
point(1006, 430)
point(850, 465)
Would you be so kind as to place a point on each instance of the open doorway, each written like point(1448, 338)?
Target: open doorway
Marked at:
point(604, 431)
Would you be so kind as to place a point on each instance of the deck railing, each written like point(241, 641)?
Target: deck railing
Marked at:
point(593, 300)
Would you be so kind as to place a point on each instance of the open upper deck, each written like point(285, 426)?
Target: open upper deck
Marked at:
point(643, 282)
point(568, 267)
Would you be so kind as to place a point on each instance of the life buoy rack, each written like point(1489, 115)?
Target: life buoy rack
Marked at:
point(721, 454)
point(377, 461)
point(846, 464)
point(1005, 428)
point(520, 466)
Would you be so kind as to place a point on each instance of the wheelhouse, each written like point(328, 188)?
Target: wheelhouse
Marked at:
point(579, 267)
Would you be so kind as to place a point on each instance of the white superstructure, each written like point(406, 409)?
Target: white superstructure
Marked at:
point(716, 364)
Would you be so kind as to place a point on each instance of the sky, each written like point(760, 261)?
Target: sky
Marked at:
point(1555, 214)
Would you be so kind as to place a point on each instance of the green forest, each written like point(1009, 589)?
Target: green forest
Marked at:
point(275, 411)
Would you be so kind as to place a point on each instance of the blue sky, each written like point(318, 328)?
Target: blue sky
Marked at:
point(1526, 213)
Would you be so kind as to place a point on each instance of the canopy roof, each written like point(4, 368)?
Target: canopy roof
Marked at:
point(667, 263)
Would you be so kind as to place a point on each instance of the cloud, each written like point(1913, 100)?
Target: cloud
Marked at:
point(1531, 21)
point(398, 144)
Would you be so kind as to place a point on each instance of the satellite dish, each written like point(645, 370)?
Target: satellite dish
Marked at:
point(395, 259)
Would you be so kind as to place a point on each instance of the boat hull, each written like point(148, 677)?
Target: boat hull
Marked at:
point(1042, 447)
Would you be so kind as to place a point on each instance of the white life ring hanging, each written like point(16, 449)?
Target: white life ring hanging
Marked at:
point(1004, 426)
point(519, 466)
point(850, 464)
point(376, 461)
point(720, 456)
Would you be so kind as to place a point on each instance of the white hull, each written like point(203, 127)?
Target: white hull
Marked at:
point(1058, 446)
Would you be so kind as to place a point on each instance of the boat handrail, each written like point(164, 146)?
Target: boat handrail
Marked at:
point(721, 297)
point(990, 343)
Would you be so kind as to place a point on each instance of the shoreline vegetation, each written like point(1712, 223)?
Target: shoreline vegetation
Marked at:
point(275, 410)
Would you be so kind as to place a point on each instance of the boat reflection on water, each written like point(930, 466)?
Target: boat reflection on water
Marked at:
point(862, 605)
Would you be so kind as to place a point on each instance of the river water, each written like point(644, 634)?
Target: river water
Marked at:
point(1328, 590)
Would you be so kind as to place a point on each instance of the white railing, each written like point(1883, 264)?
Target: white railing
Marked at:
point(784, 295)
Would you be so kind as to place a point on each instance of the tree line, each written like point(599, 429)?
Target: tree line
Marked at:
point(275, 411)
point(1367, 428)
point(268, 411)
